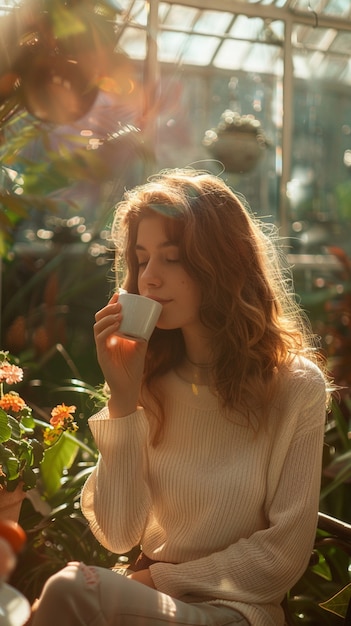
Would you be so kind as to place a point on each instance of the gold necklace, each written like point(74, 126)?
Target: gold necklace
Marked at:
point(194, 388)
point(205, 367)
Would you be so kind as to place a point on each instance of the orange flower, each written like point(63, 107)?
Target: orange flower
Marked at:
point(12, 401)
point(50, 436)
point(11, 374)
point(62, 414)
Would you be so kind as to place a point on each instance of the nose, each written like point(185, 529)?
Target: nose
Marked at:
point(150, 275)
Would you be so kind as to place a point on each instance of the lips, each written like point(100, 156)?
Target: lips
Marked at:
point(160, 300)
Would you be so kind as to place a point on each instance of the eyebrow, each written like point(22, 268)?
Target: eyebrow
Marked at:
point(165, 244)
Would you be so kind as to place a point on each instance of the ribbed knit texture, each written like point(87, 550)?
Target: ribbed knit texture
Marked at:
point(231, 512)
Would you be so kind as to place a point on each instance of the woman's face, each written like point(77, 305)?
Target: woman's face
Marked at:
point(162, 277)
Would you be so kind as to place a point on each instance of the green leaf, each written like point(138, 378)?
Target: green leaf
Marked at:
point(65, 23)
point(56, 459)
point(322, 568)
point(10, 465)
point(29, 478)
point(15, 428)
point(341, 425)
point(338, 603)
point(342, 476)
point(37, 451)
point(5, 429)
point(28, 423)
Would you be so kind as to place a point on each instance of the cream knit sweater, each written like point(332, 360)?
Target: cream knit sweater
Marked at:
point(230, 511)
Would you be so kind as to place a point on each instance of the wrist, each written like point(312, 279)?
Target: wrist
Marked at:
point(121, 409)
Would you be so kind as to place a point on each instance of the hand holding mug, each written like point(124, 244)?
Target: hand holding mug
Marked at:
point(121, 334)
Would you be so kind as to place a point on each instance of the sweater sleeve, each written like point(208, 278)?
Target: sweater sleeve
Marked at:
point(115, 498)
point(260, 568)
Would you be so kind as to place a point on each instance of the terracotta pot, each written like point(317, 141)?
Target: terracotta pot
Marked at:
point(10, 503)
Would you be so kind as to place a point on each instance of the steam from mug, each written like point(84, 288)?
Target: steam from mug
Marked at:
point(140, 316)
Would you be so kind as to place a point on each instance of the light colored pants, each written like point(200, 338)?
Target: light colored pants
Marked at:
point(80, 595)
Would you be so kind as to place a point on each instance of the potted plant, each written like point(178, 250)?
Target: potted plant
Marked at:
point(238, 141)
point(32, 452)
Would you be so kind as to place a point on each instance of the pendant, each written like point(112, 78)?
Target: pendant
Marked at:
point(194, 389)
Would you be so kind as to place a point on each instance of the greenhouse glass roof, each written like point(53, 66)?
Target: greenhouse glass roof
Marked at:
point(247, 35)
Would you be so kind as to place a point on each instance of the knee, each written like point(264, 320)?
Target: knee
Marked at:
point(64, 586)
point(66, 593)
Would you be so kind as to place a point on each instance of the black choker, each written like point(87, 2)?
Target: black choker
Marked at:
point(203, 366)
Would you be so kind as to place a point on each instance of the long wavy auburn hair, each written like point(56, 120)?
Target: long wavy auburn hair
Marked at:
point(247, 301)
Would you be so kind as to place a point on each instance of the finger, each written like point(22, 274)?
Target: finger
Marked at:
point(106, 326)
point(110, 309)
point(114, 297)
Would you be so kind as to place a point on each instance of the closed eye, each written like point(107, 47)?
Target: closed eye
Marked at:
point(141, 258)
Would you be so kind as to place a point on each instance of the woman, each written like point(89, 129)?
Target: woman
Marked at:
point(211, 443)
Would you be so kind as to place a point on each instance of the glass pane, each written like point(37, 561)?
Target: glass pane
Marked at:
point(276, 3)
point(320, 188)
point(134, 9)
point(247, 28)
point(133, 42)
point(139, 12)
point(249, 57)
point(213, 22)
point(199, 50)
point(323, 53)
point(277, 29)
point(337, 7)
point(305, 64)
point(340, 8)
point(342, 43)
point(320, 38)
point(231, 54)
point(180, 17)
point(333, 68)
point(265, 59)
point(171, 46)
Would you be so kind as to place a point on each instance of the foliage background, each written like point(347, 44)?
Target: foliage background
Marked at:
point(57, 194)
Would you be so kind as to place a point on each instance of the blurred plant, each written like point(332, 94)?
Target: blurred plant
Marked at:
point(58, 534)
point(70, 107)
point(29, 448)
point(336, 477)
point(327, 574)
point(337, 329)
point(63, 175)
point(233, 122)
point(57, 531)
point(329, 570)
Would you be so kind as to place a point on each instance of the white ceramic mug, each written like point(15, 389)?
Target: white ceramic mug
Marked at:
point(14, 607)
point(140, 316)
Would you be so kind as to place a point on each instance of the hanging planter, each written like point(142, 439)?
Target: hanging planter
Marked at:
point(238, 142)
point(55, 89)
point(53, 57)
